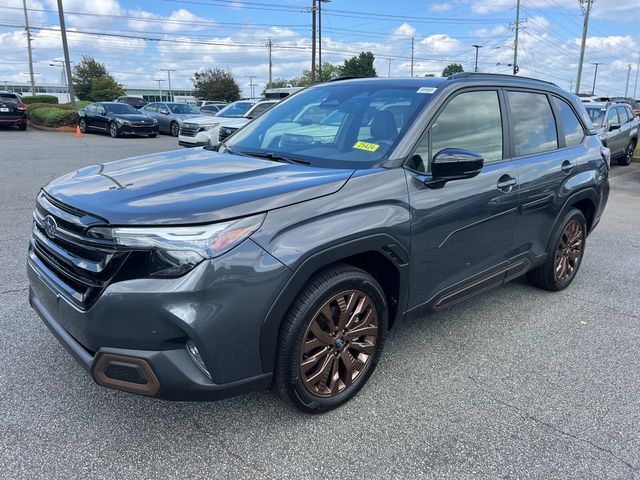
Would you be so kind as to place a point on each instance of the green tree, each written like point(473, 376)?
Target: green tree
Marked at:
point(105, 89)
point(215, 84)
point(451, 69)
point(84, 73)
point(328, 72)
point(358, 66)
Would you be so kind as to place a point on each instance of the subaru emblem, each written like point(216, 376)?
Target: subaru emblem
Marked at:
point(50, 226)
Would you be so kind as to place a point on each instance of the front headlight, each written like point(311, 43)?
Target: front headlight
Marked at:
point(176, 250)
point(204, 128)
point(122, 121)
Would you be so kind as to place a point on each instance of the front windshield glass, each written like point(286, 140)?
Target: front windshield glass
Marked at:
point(120, 108)
point(351, 125)
point(597, 115)
point(235, 110)
point(182, 108)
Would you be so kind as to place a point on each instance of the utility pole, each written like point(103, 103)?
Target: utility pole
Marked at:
point(585, 29)
point(269, 45)
point(595, 75)
point(64, 74)
point(570, 85)
point(626, 90)
point(251, 84)
point(477, 47)
point(159, 80)
point(389, 74)
point(515, 40)
point(313, 41)
point(413, 50)
point(320, 2)
point(67, 62)
point(635, 88)
point(28, 30)
point(169, 78)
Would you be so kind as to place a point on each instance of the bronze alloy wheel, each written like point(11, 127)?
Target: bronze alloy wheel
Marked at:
point(338, 343)
point(569, 251)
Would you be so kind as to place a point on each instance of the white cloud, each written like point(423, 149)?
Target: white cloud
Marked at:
point(441, 7)
point(405, 29)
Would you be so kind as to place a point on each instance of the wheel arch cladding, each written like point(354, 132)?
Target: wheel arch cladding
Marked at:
point(379, 255)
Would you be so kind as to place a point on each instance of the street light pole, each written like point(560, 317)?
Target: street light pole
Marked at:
point(477, 47)
point(595, 75)
point(169, 78)
point(67, 62)
point(159, 80)
point(626, 90)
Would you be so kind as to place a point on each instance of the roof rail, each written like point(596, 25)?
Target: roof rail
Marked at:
point(459, 75)
point(348, 77)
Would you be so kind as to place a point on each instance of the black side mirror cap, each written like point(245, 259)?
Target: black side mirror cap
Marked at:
point(614, 126)
point(455, 164)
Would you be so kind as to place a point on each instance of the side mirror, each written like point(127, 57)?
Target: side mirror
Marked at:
point(455, 164)
point(614, 126)
point(164, 111)
point(102, 111)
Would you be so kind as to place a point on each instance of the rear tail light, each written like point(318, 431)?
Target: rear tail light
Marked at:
point(606, 155)
point(21, 106)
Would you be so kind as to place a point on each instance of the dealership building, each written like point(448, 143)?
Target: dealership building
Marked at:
point(149, 94)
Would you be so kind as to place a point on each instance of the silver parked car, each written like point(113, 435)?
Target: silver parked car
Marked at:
point(617, 128)
point(170, 115)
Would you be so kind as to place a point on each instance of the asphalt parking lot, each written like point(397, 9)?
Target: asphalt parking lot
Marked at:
point(517, 383)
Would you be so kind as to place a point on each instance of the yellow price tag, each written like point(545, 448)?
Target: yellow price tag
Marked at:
point(369, 147)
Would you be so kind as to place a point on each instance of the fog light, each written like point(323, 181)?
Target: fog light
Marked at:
point(193, 352)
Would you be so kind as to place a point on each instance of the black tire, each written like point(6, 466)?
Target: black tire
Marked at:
point(174, 129)
point(546, 275)
point(627, 158)
point(323, 287)
point(113, 130)
point(82, 123)
point(22, 126)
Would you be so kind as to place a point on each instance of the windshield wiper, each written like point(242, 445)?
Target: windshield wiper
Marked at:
point(277, 157)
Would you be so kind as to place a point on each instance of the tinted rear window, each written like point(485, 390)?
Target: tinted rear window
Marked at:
point(534, 125)
point(9, 98)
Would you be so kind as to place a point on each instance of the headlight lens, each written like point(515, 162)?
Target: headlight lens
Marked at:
point(122, 121)
point(204, 128)
point(176, 250)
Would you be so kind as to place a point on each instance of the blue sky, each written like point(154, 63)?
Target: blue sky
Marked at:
point(230, 34)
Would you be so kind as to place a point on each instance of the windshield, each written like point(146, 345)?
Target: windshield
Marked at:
point(235, 110)
point(351, 125)
point(120, 108)
point(597, 115)
point(182, 108)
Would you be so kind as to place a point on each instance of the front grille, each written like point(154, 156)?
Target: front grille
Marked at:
point(189, 130)
point(225, 133)
point(78, 266)
point(141, 124)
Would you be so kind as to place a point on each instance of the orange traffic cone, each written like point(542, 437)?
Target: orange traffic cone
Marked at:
point(78, 132)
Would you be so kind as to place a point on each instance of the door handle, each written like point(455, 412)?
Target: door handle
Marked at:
point(567, 166)
point(506, 183)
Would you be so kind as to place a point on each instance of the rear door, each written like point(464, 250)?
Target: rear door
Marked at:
point(547, 143)
point(612, 131)
point(463, 231)
point(9, 107)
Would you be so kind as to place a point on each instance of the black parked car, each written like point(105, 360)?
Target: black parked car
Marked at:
point(12, 110)
point(285, 257)
point(116, 119)
point(135, 102)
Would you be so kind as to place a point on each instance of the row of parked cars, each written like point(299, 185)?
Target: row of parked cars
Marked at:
point(208, 124)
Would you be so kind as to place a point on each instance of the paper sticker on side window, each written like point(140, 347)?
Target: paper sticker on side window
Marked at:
point(427, 90)
point(369, 147)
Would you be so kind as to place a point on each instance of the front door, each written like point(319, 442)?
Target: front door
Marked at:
point(463, 231)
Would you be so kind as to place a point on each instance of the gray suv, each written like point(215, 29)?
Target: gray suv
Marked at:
point(285, 256)
point(617, 127)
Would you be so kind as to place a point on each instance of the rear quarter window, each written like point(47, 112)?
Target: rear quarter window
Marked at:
point(571, 126)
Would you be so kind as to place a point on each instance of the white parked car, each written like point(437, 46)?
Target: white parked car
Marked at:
point(211, 130)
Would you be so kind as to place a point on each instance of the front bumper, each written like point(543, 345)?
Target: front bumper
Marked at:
point(131, 130)
point(150, 320)
point(182, 143)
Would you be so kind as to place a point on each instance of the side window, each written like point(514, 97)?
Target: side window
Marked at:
point(630, 113)
point(571, 126)
point(622, 114)
point(470, 121)
point(612, 117)
point(534, 125)
point(91, 108)
point(152, 107)
point(260, 109)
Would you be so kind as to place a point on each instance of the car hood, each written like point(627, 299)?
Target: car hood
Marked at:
point(133, 117)
point(197, 186)
point(202, 120)
point(233, 122)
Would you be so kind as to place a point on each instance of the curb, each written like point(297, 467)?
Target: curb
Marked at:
point(53, 129)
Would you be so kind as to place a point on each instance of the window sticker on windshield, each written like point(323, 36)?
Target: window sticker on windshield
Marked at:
point(427, 89)
point(369, 147)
